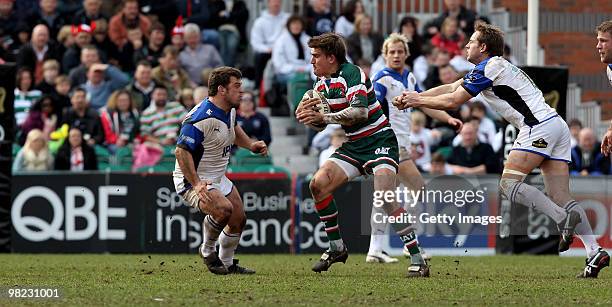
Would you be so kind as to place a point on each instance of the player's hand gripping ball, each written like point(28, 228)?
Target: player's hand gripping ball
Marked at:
point(321, 105)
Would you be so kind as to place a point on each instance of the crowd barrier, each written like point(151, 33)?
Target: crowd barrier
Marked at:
point(141, 213)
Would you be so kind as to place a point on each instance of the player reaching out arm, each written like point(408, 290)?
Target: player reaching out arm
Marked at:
point(543, 140)
point(203, 150)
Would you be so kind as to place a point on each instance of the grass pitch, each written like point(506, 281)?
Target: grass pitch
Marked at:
point(288, 280)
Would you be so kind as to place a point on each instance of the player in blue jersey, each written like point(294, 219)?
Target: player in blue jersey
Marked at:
point(543, 140)
point(604, 47)
point(202, 154)
point(389, 83)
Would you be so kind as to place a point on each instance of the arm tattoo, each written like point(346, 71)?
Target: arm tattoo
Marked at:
point(347, 117)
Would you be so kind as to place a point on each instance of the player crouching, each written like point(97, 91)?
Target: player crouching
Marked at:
point(202, 154)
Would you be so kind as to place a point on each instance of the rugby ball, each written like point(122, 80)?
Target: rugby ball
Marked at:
point(322, 107)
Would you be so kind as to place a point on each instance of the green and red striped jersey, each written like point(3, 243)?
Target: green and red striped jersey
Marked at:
point(350, 86)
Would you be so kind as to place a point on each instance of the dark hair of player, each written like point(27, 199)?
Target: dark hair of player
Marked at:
point(221, 76)
point(330, 44)
point(491, 36)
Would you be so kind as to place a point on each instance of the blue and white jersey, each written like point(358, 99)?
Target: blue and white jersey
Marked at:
point(509, 91)
point(208, 134)
point(389, 84)
point(609, 71)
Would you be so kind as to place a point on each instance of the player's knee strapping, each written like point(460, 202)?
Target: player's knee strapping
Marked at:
point(510, 186)
point(521, 193)
point(328, 213)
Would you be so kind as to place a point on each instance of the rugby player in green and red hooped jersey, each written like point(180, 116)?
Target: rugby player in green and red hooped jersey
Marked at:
point(371, 149)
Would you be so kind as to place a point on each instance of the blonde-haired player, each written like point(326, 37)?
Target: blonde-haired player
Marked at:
point(388, 84)
point(543, 140)
point(604, 47)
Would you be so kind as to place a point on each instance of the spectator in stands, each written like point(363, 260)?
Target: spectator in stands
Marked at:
point(65, 39)
point(8, 23)
point(200, 93)
point(160, 122)
point(165, 11)
point(60, 94)
point(187, 99)
point(102, 81)
point(320, 17)
point(82, 37)
point(120, 120)
point(422, 139)
point(264, 33)
point(48, 15)
point(176, 36)
point(153, 50)
point(291, 54)
point(337, 138)
point(587, 159)
point(472, 157)
point(25, 95)
point(142, 86)
point(42, 116)
point(439, 167)
point(227, 33)
point(454, 9)
point(422, 63)
point(170, 75)
point(447, 74)
point(83, 117)
point(20, 38)
point(75, 154)
point(90, 12)
point(33, 54)
point(449, 38)
point(69, 7)
point(345, 25)
point(197, 56)
point(486, 127)
point(128, 18)
point(364, 43)
point(50, 72)
point(254, 124)
point(197, 12)
point(89, 56)
point(433, 75)
point(35, 155)
point(409, 28)
point(107, 51)
point(575, 126)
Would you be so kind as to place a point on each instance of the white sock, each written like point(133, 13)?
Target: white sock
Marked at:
point(584, 230)
point(377, 235)
point(376, 243)
point(526, 195)
point(228, 242)
point(210, 231)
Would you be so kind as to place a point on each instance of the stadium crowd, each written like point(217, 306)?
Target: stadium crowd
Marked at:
point(96, 77)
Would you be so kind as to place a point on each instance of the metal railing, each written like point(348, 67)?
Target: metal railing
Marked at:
point(589, 113)
point(573, 101)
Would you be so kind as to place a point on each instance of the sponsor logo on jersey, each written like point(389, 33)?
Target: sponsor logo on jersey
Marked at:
point(382, 151)
point(539, 143)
